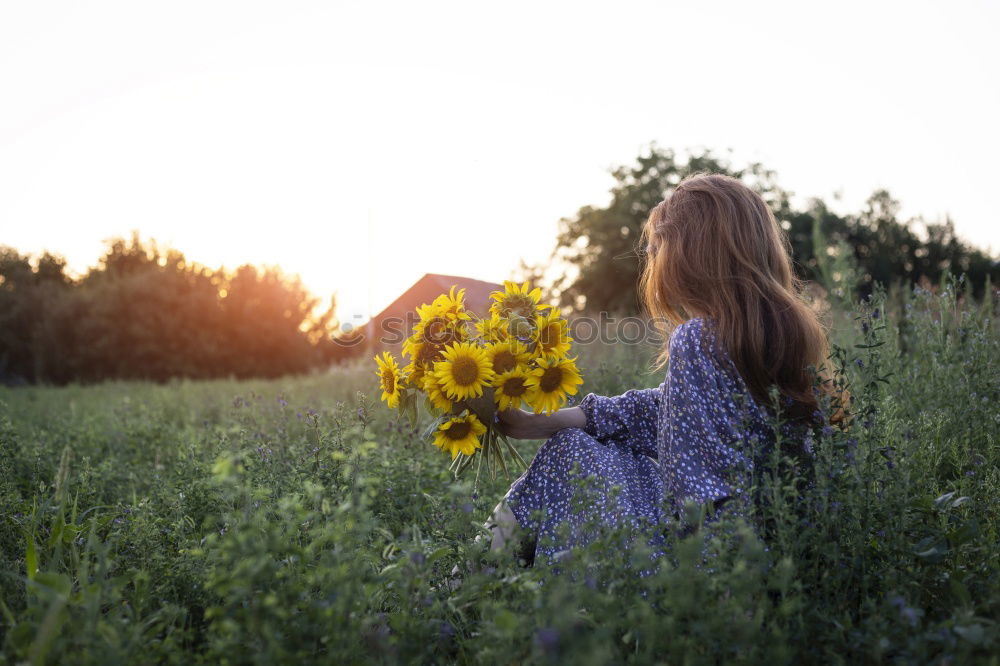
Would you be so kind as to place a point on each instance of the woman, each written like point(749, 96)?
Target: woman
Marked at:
point(719, 269)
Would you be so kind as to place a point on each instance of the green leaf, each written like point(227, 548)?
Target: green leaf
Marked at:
point(959, 591)
point(505, 620)
point(973, 633)
point(411, 412)
point(57, 582)
point(964, 534)
point(931, 550)
point(31, 558)
point(438, 554)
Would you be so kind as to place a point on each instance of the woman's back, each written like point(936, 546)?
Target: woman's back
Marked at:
point(710, 428)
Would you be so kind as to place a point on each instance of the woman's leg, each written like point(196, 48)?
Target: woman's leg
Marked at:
point(543, 498)
point(502, 524)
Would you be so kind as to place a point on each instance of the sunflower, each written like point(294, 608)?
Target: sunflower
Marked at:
point(551, 336)
point(421, 351)
point(442, 322)
point(459, 433)
point(505, 356)
point(452, 305)
point(439, 330)
point(422, 355)
point(464, 371)
point(512, 387)
point(551, 381)
point(493, 329)
point(389, 378)
point(435, 394)
point(514, 300)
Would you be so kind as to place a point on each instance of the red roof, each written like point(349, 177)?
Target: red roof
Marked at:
point(395, 322)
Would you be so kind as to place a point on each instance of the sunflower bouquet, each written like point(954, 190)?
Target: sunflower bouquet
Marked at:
point(468, 368)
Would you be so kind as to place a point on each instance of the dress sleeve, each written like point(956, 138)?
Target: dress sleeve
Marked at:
point(629, 418)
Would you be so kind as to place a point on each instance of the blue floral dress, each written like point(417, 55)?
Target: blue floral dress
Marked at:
point(647, 452)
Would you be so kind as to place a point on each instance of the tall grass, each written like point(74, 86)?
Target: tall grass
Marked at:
point(295, 520)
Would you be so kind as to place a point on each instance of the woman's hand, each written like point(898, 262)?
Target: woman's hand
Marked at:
point(520, 424)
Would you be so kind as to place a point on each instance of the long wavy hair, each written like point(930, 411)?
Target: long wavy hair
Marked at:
point(714, 249)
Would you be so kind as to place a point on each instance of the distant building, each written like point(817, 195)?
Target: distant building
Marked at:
point(391, 326)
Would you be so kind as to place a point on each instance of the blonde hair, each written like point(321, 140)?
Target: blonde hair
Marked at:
point(715, 250)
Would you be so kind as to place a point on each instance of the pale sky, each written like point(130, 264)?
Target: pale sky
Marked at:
point(363, 144)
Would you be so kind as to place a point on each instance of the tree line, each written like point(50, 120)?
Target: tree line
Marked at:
point(143, 313)
point(848, 253)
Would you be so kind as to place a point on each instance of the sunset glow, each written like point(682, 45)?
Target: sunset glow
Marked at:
point(363, 145)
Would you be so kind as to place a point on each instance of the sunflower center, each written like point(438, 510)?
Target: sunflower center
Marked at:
point(551, 379)
point(504, 361)
point(520, 305)
point(465, 371)
point(428, 352)
point(514, 387)
point(439, 332)
point(388, 381)
point(458, 430)
point(548, 337)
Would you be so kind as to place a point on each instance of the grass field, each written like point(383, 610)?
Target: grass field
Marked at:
point(295, 520)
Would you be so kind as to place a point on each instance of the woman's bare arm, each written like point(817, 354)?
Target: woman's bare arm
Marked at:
point(520, 424)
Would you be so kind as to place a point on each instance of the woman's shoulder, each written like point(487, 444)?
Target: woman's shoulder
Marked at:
point(695, 341)
point(691, 337)
point(697, 352)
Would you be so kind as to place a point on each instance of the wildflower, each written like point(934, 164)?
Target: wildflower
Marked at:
point(445, 630)
point(547, 638)
point(912, 615)
point(282, 401)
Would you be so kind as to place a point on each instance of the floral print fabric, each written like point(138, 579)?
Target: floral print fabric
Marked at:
point(647, 451)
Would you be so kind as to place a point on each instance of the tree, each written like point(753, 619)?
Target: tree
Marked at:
point(145, 313)
point(600, 244)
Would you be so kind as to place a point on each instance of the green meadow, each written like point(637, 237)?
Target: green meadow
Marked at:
point(296, 520)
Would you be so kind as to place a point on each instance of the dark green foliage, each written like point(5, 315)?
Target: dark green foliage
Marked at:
point(602, 242)
point(143, 314)
point(290, 521)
